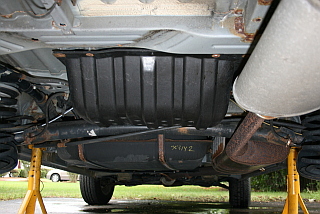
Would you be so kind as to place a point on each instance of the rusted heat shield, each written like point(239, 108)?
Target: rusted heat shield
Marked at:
point(241, 150)
point(258, 153)
point(224, 165)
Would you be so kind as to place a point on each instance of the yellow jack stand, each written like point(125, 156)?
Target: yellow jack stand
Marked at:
point(29, 203)
point(293, 186)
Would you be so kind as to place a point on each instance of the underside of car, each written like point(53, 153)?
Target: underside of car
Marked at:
point(169, 92)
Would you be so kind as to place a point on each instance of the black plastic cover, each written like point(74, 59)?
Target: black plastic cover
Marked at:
point(142, 87)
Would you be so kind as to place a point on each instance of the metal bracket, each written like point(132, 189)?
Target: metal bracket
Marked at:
point(162, 158)
point(61, 20)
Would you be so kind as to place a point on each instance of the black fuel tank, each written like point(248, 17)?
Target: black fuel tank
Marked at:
point(147, 155)
point(143, 87)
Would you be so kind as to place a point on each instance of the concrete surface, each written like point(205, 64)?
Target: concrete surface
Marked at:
point(76, 206)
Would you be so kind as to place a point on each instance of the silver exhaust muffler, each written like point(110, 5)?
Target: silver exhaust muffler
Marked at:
point(282, 76)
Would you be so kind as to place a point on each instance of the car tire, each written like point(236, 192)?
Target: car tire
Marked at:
point(55, 177)
point(240, 193)
point(96, 191)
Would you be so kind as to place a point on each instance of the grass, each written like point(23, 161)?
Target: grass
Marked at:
point(195, 193)
point(17, 189)
point(184, 193)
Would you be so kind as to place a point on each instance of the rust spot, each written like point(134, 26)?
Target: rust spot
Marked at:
point(264, 2)
point(23, 76)
point(257, 19)
point(8, 16)
point(46, 136)
point(219, 151)
point(266, 117)
point(28, 140)
point(249, 37)
point(59, 55)
point(89, 54)
point(58, 2)
point(183, 130)
point(54, 25)
point(167, 177)
point(238, 11)
point(63, 143)
point(239, 28)
point(216, 55)
point(81, 154)
point(239, 25)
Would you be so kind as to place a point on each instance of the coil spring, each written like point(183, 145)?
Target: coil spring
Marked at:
point(312, 124)
point(8, 113)
point(309, 162)
point(309, 155)
point(8, 155)
point(8, 101)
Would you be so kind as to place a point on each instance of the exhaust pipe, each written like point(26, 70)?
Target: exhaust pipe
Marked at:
point(282, 76)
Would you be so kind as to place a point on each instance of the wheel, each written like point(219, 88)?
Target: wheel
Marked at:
point(55, 177)
point(96, 191)
point(239, 193)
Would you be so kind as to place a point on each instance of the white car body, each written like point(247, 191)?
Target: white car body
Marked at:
point(63, 175)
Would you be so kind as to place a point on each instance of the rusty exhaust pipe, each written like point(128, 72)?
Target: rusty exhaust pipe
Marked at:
point(241, 149)
point(243, 155)
point(241, 137)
